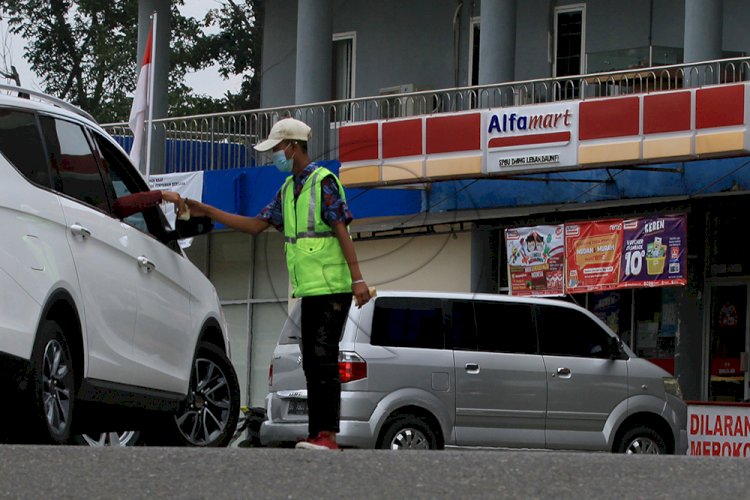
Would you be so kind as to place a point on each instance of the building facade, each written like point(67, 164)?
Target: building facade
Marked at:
point(339, 64)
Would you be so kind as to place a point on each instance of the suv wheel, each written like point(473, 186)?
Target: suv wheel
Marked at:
point(54, 384)
point(408, 433)
point(210, 415)
point(124, 438)
point(642, 440)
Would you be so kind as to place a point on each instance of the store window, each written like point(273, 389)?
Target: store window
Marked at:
point(656, 325)
point(614, 308)
point(646, 319)
point(727, 341)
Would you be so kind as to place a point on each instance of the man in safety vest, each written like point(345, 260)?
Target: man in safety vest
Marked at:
point(311, 210)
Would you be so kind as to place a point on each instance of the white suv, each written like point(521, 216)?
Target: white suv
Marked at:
point(98, 313)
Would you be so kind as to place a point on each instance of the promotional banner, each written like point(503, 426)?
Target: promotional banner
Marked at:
point(593, 251)
point(187, 184)
point(654, 252)
point(535, 260)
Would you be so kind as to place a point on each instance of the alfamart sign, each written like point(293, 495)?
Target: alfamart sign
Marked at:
point(562, 136)
point(540, 137)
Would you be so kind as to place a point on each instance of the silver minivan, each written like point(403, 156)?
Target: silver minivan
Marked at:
point(425, 370)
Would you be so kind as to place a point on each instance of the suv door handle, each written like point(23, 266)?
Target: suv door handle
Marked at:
point(79, 230)
point(563, 372)
point(472, 367)
point(146, 264)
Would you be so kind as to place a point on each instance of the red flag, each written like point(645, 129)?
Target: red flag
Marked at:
point(141, 102)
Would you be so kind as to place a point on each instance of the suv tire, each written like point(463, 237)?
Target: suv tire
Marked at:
point(54, 385)
point(408, 432)
point(213, 399)
point(641, 439)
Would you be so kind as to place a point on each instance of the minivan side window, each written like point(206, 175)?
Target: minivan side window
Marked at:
point(21, 143)
point(408, 322)
point(568, 332)
point(74, 166)
point(494, 327)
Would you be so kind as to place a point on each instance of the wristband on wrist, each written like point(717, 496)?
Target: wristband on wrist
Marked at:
point(357, 281)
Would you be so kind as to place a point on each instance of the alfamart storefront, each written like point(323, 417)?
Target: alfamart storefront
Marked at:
point(637, 210)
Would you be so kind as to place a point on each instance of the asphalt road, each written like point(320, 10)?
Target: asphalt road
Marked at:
point(81, 472)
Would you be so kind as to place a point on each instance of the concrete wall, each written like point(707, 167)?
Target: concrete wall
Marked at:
point(438, 262)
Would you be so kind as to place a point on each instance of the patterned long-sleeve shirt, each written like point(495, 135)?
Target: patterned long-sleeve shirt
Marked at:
point(334, 208)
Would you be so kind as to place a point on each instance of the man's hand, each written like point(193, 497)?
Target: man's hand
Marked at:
point(196, 208)
point(361, 293)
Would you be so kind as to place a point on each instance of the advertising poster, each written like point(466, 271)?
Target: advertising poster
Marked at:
point(593, 251)
point(654, 251)
point(535, 260)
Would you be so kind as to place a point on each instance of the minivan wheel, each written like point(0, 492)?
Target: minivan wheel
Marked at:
point(408, 433)
point(642, 440)
point(212, 409)
point(54, 384)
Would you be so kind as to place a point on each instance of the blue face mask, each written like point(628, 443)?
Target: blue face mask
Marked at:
point(282, 163)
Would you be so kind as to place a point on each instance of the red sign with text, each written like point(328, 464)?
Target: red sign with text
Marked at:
point(593, 252)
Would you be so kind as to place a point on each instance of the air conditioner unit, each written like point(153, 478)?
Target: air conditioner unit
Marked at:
point(404, 88)
point(397, 106)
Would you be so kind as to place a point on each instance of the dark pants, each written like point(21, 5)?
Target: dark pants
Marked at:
point(323, 319)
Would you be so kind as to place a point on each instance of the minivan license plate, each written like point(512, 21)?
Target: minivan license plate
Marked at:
point(297, 407)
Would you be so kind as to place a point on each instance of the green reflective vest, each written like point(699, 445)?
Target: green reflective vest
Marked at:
point(314, 257)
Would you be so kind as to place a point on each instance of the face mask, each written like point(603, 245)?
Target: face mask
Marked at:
point(282, 163)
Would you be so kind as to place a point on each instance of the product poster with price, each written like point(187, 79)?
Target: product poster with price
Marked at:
point(535, 260)
point(654, 251)
point(593, 252)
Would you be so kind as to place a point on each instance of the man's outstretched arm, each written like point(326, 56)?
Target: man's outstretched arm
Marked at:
point(251, 225)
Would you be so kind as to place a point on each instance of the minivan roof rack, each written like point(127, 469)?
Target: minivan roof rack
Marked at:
point(48, 98)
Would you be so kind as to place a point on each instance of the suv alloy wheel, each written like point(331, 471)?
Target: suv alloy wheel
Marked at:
point(213, 405)
point(54, 388)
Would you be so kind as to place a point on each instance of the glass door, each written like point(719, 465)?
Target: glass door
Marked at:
point(727, 342)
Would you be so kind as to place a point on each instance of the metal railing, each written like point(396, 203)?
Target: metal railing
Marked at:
point(224, 140)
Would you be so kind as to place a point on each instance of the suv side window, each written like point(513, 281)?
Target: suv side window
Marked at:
point(21, 144)
point(121, 180)
point(567, 332)
point(74, 166)
point(408, 322)
point(117, 180)
point(494, 327)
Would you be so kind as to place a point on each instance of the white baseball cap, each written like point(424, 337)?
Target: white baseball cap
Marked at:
point(287, 129)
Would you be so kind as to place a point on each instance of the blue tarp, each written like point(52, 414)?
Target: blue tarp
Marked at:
point(246, 191)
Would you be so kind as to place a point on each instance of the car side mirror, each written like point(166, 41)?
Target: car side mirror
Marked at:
point(615, 349)
point(194, 226)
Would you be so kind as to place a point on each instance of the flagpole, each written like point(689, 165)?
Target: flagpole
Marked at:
point(151, 97)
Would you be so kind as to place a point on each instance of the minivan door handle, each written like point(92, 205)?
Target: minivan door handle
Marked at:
point(79, 230)
point(564, 372)
point(146, 264)
point(472, 368)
